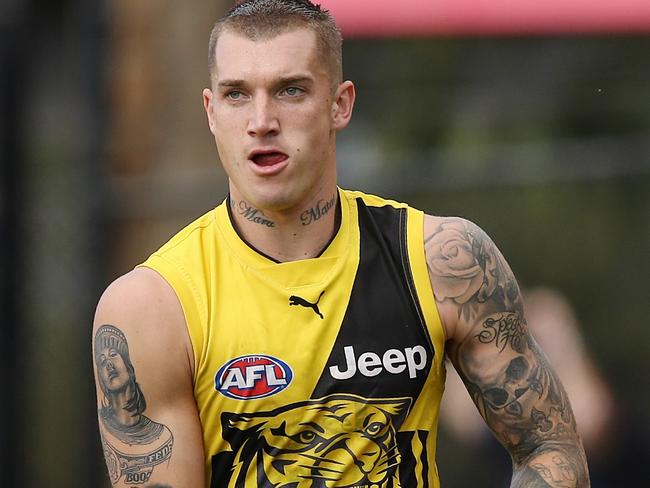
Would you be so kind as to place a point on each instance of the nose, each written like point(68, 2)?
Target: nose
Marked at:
point(263, 120)
point(357, 449)
point(520, 391)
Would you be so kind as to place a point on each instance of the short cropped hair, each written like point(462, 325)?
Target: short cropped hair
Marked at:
point(265, 19)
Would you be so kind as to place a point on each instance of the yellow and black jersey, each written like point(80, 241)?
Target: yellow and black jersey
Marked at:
point(324, 372)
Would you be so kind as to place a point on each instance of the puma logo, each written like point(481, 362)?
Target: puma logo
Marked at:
point(296, 300)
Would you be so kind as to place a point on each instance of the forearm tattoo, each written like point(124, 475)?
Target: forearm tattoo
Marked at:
point(505, 372)
point(316, 212)
point(133, 443)
point(251, 213)
point(552, 467)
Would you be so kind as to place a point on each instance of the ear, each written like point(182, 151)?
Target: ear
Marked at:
point(208, 97)
point(343, 104)
point(237, 428)
point(395, 408)
point(242, 421)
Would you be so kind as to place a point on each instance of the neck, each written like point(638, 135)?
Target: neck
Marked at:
point(118, 402)
point(288, 235)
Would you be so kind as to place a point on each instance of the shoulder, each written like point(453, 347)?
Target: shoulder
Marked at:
point(135, 293)
point(146, 310)
point(441, 228)
point(465, 268)
point(454, 248)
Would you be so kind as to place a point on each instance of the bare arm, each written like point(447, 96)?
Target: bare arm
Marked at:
point(148, 421)
point(506, 374)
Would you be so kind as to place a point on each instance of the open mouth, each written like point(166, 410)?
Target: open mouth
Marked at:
point(268, 158)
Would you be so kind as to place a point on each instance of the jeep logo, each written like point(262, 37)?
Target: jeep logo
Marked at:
point(369, 364)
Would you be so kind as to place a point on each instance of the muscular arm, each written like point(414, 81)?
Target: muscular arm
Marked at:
point(148, 420)
point(506, 374)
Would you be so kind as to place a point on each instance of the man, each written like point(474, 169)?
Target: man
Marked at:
point(295, 335)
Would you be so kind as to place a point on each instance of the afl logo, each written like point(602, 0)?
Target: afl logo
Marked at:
point(253, 376)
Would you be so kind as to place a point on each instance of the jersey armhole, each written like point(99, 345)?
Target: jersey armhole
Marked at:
point(419, 270)
point(190, 301)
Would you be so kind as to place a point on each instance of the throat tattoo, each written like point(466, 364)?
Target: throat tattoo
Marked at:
point(315, 213)
point(252, 214)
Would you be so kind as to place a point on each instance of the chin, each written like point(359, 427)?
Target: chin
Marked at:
point(274, 204)
point(275, 199)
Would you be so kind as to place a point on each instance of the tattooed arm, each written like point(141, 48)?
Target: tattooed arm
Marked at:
point(506, 374)
point(148, 421)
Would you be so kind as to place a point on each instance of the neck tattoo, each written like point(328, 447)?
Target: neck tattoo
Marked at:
point(321, 208)
point(252, 214)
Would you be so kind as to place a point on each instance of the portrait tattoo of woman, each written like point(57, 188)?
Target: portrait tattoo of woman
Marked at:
point(133, 444)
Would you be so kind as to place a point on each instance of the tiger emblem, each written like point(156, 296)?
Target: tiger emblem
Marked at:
point(339, 441)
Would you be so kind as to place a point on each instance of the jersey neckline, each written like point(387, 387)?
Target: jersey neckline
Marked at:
point(254, 258)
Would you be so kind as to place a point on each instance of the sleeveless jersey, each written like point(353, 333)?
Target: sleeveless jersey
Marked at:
point(323, 372)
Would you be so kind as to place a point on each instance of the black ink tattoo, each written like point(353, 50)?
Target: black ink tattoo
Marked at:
point(470, 269)
point(514, 387)
point(504, 329)
point(558, 473)
point(506, 374)
point(552, 467)
point(124, 427)
point(317, 211)
point(522, 401)
point(252, 214)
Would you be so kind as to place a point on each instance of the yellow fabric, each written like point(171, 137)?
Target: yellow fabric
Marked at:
point(221, 282)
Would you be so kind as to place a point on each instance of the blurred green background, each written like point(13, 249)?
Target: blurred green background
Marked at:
point(544, 142)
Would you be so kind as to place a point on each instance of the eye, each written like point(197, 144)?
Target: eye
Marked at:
point(293, 91)
point(234, 95)
point(305, 437)
point(374, 428)
point(517, 369)
point(496, 397)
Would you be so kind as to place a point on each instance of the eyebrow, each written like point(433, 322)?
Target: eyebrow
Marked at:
point(230, 83)
point(288, 80)
point(285, 80)
point(314, 425)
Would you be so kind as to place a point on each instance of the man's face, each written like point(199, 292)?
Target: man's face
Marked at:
point(112, 370)
point(274, 114)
